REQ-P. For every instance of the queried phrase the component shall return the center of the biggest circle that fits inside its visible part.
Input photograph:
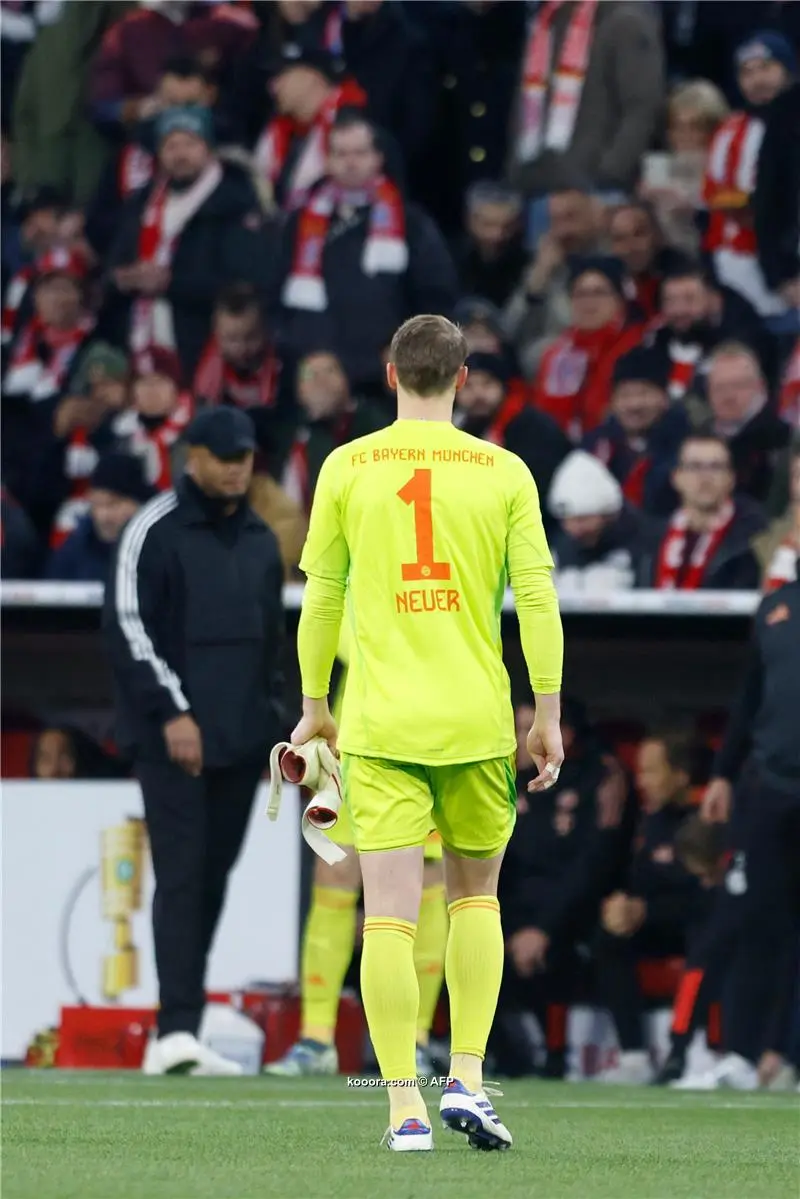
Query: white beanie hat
(583, 486)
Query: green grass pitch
(123, 1136)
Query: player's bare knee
(465, 876)
(393, 882)
(343, 876)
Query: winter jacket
(620, 559)
(83, 558)
(642, 467)
(363, 311)
(776, 201)
(619, 108)
(224, 242)
(734, 567)
(656, 876)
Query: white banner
(53, 835)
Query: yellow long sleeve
(318, 633)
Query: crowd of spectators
(208, 203)
(238, 203)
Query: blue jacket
(643, 473)
(83, 558)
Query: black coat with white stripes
(193, 618)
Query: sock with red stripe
(473, 970)
(390, 994)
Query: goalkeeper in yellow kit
(414, 532)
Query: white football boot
(471, 1113)
(182, 1053)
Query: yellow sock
(473, 970)
(429, 949)
(391, 1001)
(328, 942)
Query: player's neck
(428, 408)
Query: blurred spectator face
(761, 80)
(178, 91)
(39, 230)
(523, 719)
(322, 387)
(241, 337)
(657, 782)
(572, 220)
(221, 478)
(595, 302)
(481, 339)
(110, 513)
(53, 755)
(735, 387)
(492, 227)
(353, 161)
(184, 156)
(703, 477)
(481, 395)
(637, 405)
(688, 132)
(297, 12)
(299, 92)
(108, 392)
(685, 303)
(154, 395)
(634, 239)
(58, 301)
(586, 530)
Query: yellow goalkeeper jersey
(414, 532)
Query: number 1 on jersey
(417, 491)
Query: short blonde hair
(701, 98)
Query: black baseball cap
(316, 58)
(225, 432)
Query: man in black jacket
(650, 916)
(193, 619)
(356, 261)
(568, 850)
(196, 227)
(776, 201)
(761, 757)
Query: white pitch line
(554, 1105)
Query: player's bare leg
(328, 943)
(473, 970)
(392, 892)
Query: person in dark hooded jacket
(603, 544)
(180, 240)
(640, 439)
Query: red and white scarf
(80, 459)
(272, 149)
(550, 126)
(41, 359)
(12, 301)
(673, 548)
(296, 476)
(166, 215)
(216, 381)
(683, 363)
(135, 170)
(385, 248)
(783, 564)
(154, 445)
(790, 389)
(728, 185)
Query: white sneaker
(732, 1072)
(412, 1136)
(471, 1112)
(633, 1069)
(182, 1053)
(305, 1058)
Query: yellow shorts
(343, 835)
(394, 804)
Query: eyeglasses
(714, 468)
